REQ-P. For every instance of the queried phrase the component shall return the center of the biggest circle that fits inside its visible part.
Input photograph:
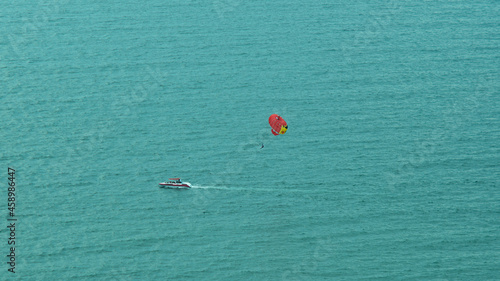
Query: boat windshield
(174, 181)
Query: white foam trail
(210, 187)
(221, 187)
(246, 189)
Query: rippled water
(389, 169)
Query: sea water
(389, 169)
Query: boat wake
(210, 187)
(224, 188)
(244, 189)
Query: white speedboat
(175, 183)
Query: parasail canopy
(278, 124)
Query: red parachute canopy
(278, 124)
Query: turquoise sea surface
(390, 168)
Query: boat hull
(175, 186)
